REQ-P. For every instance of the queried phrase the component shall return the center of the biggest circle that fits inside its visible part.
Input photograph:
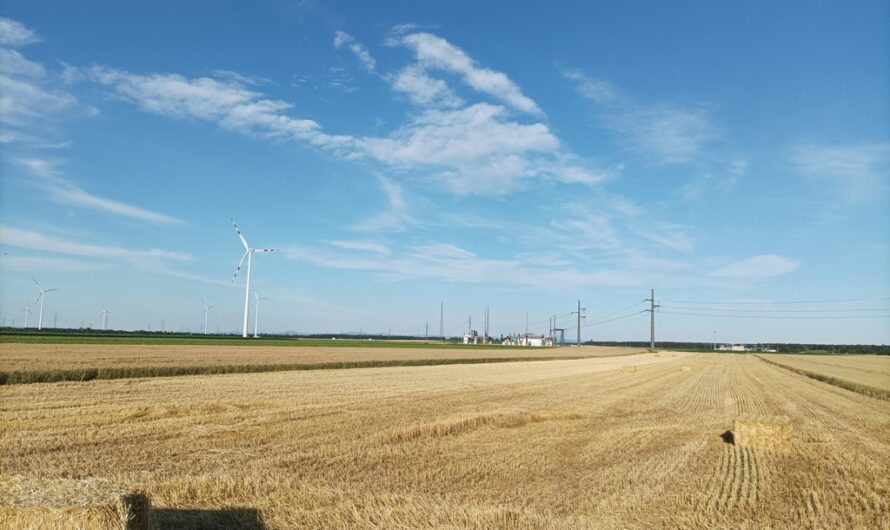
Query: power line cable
(623, 309)
(687, 308)
(775, 316)
(612, 319)
(847, 300)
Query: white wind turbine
(248, 253)
(105, 313)
(256, 314)
(41, 297)
(206, 310)
(27, 310)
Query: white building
(528, 339)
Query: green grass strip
(865, 390)
(90, 374)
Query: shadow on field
(243, 518)
(728, 437)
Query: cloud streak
(757, 268)
(669, 133)
(435, 53)
(858, 171)
(17, 237)
(62, 191)
(343, 39)
(14, 33)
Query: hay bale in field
(762, 431)
(628, 369)
(686, 368)
(28, 504)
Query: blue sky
(513, 155)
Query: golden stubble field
(552, 444)
(869, 370)
(17, 356)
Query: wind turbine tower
(248, 254)
(104, 318)
(256, 314)
(41, 298)
(206, 310)
(27, 311)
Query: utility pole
(485, 338)
(715, 340)
(442, 321)
(526, 325)
(651, 311)
(580, 313)
(426, 331)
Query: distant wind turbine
(206, 310)
(27, 310)
(41, 298)
(256, 314)
(105, 313)
(248, 253)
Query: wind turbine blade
(241, 237)
(35, 282)
(51, 290)
(239, 265)
(266, 250)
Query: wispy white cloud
(667, 132)
(668, 235)
(62, 191)
(227, 103)
(25, 103)
(343, 39)
(28, 239)
(395, 217)
(240, 78)
(475, 150)
(364, 246)
(588, 231)
(722, 178)
(757, 268)
(449, 262)
(433, 52)
(479, 149)
(29, 105)
(14, 63)
(423, 90)
(38, 263)
(14, 33)
(858, 171)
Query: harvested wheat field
(36, 356)
(549, 444)
(869, 371)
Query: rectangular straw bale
(762, 431)
(687, 368)
(72, 504)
